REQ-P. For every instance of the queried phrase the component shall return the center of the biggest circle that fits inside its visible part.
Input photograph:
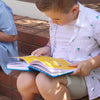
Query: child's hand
(83, 68)
(43, 51)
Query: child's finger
(76, 72)
(73, 65)
(33, 53)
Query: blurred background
(28, 8)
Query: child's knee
(46, 83)
(25, 80)
(42, 81)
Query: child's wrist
(48, 46)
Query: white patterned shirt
(77, 41)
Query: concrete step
(32, 33)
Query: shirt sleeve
(97, 30)
(7, 24)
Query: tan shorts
(76, 86)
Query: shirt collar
(81, 17)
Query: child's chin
(61, 24)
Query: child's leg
(26, 85)
(52, 88)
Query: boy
(75, 37)
(8, 37)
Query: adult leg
(52, 88)
(26, 85)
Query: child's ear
(75, 9)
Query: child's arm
(85, 67)
(7, 38)
(43, 51)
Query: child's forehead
(55, 14)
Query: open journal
(48, 65)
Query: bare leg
(26, 85)
(52, 88)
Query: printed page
(52, 62)
(18, 66)
(45, 64)
(52, 70)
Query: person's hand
(43, 51)
(84, 68)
